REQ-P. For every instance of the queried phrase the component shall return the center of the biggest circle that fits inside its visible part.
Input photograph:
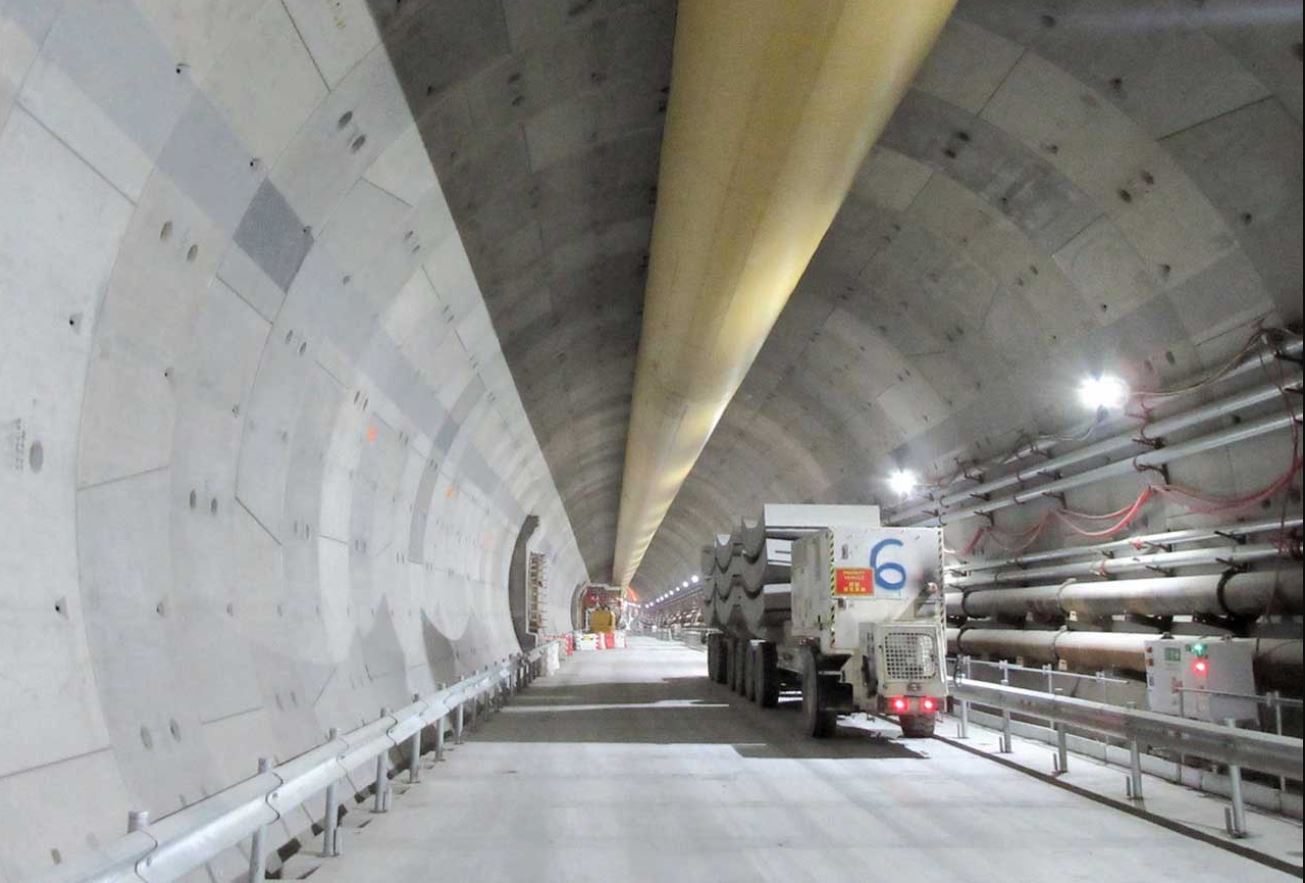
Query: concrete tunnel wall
(264, 463)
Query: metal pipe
(1227, 555)
(1237, 402)
(1151, 457)
(1278, 661)
(1250, 363)
(1249, 595)
(1155, 540)
(766, 128)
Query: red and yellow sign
(854, 581)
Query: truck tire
(817, 720)
(739, 684)
(715, 670)
(917, 726)
(767, 675)
(729, 661)
(750, 672)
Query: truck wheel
(750, 672)
(917, 726)
(767, 675)
(729, 661)
(714, 673)
(739, 684)
(817, 721)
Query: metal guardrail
(1266, 752)
(183, 841)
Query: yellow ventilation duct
(774, 105)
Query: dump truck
(826, 600)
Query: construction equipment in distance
(824, 599)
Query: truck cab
(867, 630)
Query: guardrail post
(137, 820)
(458, 724)
(439, 739)
(964, 731)
(1134, 782)
(1234, 817)
(1275, 697)
(414, 749)
(1051, 678)
(258, 843)
(1134, 785)
(1062, 744)
(378, 804)
(331, 821)
(1006, 746)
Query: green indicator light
(1198, 649)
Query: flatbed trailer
(858, 626)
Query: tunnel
(417, 415)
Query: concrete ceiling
(543, 121)
(1072, 184)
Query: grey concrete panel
(273, 236)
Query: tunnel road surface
(628, 765)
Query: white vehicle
(857, 624)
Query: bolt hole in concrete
(175, 729)
(213, 506)
(166, 232)
(345, 119)
(36, 456)
(193, 499)
(192, 253)
(358, 143)
(146, 737)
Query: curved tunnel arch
(263, 238)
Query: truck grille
(910, 656)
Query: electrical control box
(1207, 679)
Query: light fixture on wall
(1103, 392)
(903, 482)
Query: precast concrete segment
(629, 765)
(766, 127)
(265, 461)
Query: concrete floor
(628, 765)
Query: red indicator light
(928, 703)
(899, 704)
(1201, 667)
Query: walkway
(629, 766)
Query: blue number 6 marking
(883, 570)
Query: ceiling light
(1103, 392)
(903, 481)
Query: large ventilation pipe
(1278, 662)
(1246, 595)
(773, 107)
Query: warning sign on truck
(854, 581)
